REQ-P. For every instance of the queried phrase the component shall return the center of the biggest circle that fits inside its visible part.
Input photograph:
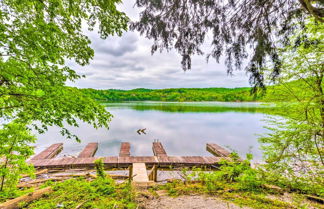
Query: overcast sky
(126, 63)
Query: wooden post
(130, 168)
(153, 173)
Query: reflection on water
(184, 129)
(251, 107)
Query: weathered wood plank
(111, 162)
(139, 175)
(158, 149)
(89, 151)
(84, 162)
(14, 203)
(50, 152)
(124, 149)
(217, 150)
(124, 162)
(139, 172)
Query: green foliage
(99, 165)
(294, 146)
(246, 34)
(101, 193)
(37, 38)
(174, 95)
(15, 149)
(230, 171)
(235, 182)
(256, 200)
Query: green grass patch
(101, 193)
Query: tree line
(175, 95)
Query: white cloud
(126, 62)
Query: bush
(232, 171)
(99, 165)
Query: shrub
(99, 165)
(232, 171)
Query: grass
(101, 193)
(7, 194)
(104, 193)
(235, 181)
(259, 199)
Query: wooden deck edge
(217, 150)
(124, 162)
(89, 151)
(49, 152)
(158, 149)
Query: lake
(183, 128)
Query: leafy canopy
(37, 37)
(14, 149)
(294, 147)
(238, 29)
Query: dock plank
(89, 151)
(124, 149)
(158, 149)
(84, 162)
(217, 150)
(50, 152)
(160, 159)
(139, 173)
(124, 162)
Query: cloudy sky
(126, 63)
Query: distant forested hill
(176, 94)
(273, 93)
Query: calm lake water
(183, 128)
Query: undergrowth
(10, 193)
(101, 193)
(235, 181)
(81, 193)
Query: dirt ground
(189, 202)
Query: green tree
(15, 147)
(37, 38)
(295, 144)
(234, 27)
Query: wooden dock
(49, 152)
(124, 149)
(89, 151)
(160, 159)
(158, 149)
(217, 150)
